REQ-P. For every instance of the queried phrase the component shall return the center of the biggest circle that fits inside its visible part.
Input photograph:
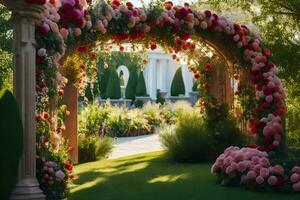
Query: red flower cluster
(40, 2)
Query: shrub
(131, 85)
(113, 89)
(177, 87)
(188, 140)
(11, 142)
(92, 148)
(91, 118)
(141, 86)
(198, 138)
(152, 114)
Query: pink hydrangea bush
(251, 168)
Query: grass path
(151, 176)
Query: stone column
(71, 100)
(152, 78)
(24, 18)
(162, 75)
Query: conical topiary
(141, 86)
(195, 87)
(11, 142)
(113, 90)
(177, 87)
(103, 77)
(132, 83)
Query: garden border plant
(81, 24)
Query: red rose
(168, 5)
(67, 7)
(268, 91)
(265, 105)
(207, 13)
(197, 76)
(69, 166)
(129, 5)
(216, 16)
(82, 49)
(153, 46)
(185, 36)
(68, 15)
(79, 22)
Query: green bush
(131, 85)
(152, 114)
(91, 118)
(188, 140)
(141, 86)
(177, 87)
(198, 138)
(11, 142)
(113, 89)
(92, 148)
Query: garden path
(125, 146)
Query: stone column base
(27, 189)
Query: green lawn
(152, 177)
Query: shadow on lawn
(152, 177)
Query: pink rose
(77, 32)
(264, 172)
(42, 52)
(295, 178)
(251, 174)
(260, 180)
(296, 169)
(203, 25)
(64, 32)
(296, 186)
(272, 180)
(269, 98)
(60, 174)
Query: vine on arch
(79, 24)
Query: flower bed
(252, 168)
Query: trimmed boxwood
(141, 86)
(177, 87)
(113, 90)
(132, 83)
(11, 142)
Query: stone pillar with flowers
(24, 17)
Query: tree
(141, 86)
(177, 86)
(113, 90)
(5, 29)
(132, 83)
(5, 70)
(277, 22)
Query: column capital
(21, 9)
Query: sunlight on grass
(152, 176)
(168, 178)
(88, 184)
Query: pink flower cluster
(295, 178)
(252, 165)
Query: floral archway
(71, 28)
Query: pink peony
(264, 172)
(77, 31)
(269, 98)
(260, 180)
(241, 166)
(203, 25)
(264, 162)
(64, 32)
(296, 169)
(296, 186)
(42, 52)
(251, 174)
(278, 169)
(295, 178)
(60, 174)
(272, 180)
